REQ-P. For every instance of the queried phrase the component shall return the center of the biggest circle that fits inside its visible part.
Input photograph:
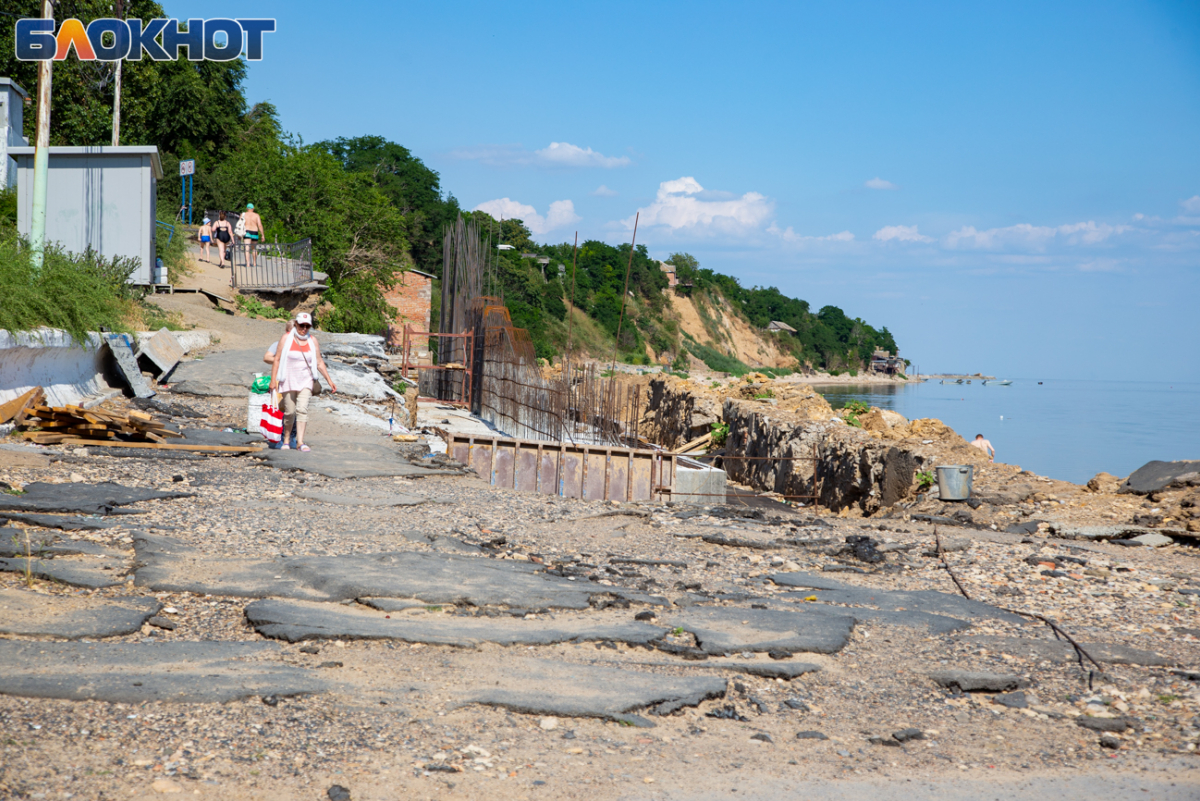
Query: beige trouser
(295, 408)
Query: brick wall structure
(410, 297)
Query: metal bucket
(954, 481)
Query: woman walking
(223, 232)
(297, 362)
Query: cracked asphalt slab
(511, 644)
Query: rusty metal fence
(577, 407)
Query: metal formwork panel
(571, 471)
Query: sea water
(1067, 430)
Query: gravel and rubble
(716, 648)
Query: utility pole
(41, 156)
(119, 7)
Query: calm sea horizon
(1062, 429)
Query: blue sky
(1011, 188)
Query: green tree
(413, 189)
(358, 236)
(189, 109)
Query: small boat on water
(1003, 382)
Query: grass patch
(149, 316)
(716, 361)
(255, 308)
(172, 249)
(75, 292)
(720, 434)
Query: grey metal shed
(12, 114)
(98, 196)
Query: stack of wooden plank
(17, 409)
(697, 445)
(51, 425)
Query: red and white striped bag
(272, 420)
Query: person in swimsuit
(254, 232)
(297, 362)
(983, 445)
(223, 233)
(205, 237)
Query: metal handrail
(169, 227)
(272, 265)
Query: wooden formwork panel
(593, 473)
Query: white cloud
(564, 154)
(604, 191)
(1032, 237)
(900, 233)
(561, 212)
(557, 154)
(1191, 205)
(684, 204)
(879, 183)
(789, 235)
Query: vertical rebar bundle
(508, 388)
(464, 262)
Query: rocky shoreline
(245, 627)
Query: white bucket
(254, 412)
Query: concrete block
(704, 485)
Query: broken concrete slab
(1062, 651)
(809, 581)
(1094, 533)
(31, 614)
(121, 346)
(927, 601)
(354, 345)
(355, 500)
(563, 689)
(135, 673)
(228, 374)
(1156, 476)
(392, 604)
(207, 436)
(349, 460)
(731, 630)
(977, 681)
(935, 624)
(102, 499)
(441, 542)
(782, 669)
(63, 523)
(162, 349)
(295, 621)
(87, 572)
(1153, 540)
(435, 578)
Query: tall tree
(413, 188)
